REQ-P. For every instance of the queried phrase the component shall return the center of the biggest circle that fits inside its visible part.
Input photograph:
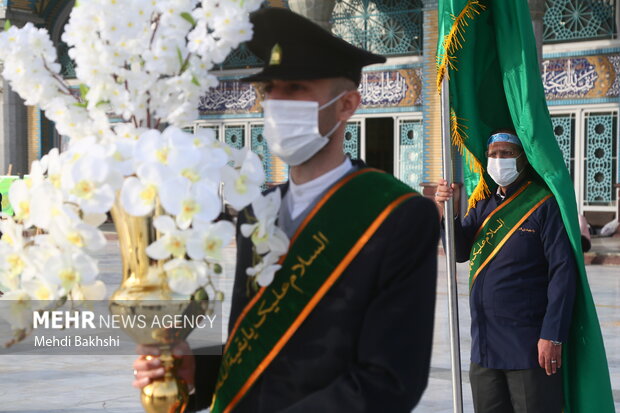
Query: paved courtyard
(85, 384)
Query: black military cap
(295, 48)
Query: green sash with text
(326, 242)
(499, 226)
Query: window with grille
(574, 20)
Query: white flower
(265, 271)
(242, 187)
(138, 194)
(12, 255)
(46, 203)
(51, 164)
(172, 243)
(185, 277)
(16, 308)
(94, 220)
(264, 233)
(152, 148)
(144, 62)
(69, 269)
(94, 291)
(19, 197)
(88, 183)
(189, 202)
(12, 233)
(12, 265)
(69, 231)
(204, 137)
(207, 241)
(122, 156)
(190, 158)
(41, 290)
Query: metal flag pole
(453, 307)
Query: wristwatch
(556, 343)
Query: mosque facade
(397, 127)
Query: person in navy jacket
(521, 302)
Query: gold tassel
(482, 189)
(458, 132)
(453, 41)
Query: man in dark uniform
(363, 341)
(522, 285)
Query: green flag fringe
(446, 59)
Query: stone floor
(605, 250)
(84, 384)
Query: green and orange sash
(499, 226)
(326, 242)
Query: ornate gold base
(167, 395)
(144, 291)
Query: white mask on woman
(292, 128)
(503, 170)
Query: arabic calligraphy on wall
(388, 88)
(391, 88)
(587, 77)
(230, 96)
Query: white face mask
(292, 128)
(503, 170)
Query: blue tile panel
(411, 153)
(352, 135)
(600, 158)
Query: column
(431, 101)
(14, 139)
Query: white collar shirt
(299, 197)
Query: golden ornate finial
(276, 55)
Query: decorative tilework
(234, 136)
(276, 171)
(578, 53)
(411, 153)
(241, 57)
(614, 90)
(387, 90)
(432, 165)
(588, 77)
(570, 20)
(67, 65)
(388, 27)
(599, 162)
(564, 131)
(352, 135)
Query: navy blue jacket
(527, 290)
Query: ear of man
(350, 101)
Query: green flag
(488, 51)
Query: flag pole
(453, 308)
